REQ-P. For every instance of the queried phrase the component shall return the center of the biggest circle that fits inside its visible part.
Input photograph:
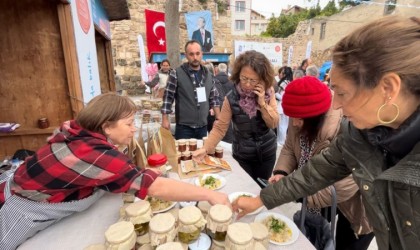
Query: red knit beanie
(306, 97)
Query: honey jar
(43, 123)
(218, 152)
(192, 144)
(182, 145)
(186, 155)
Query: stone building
(323, 32)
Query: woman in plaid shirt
(74, 169)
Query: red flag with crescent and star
(155, 31)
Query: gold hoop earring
(378, 113)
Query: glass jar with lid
(204, 207)
(217, 245)
(162, 229)
(140, 214)
(120, 235)
(239, 236)
(218, 220)
(160, 162)
(191, 222)
(260, 233)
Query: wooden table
(88, 227)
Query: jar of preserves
(182, 145)
(217, 245)
(218, 220)
(191, 222)
(192, 144)
(140, 214)
(204, 207)
(178, 155)
(239, 236)
(162, 229)
(186, 155)
(218, 152)
(120, 235)
(260, 233)
(43, 123)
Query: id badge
(201, 94)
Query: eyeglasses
(245, 79)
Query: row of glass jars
(163, 228)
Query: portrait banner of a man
(200, 28)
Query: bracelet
(278, 171)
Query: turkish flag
(155, 31)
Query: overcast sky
(266, 7)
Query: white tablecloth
(83, 229)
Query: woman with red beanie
(313, 125)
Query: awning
(157, 57)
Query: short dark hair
(191, 42)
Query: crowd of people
(355, 130)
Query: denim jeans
(187, 132)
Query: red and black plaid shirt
(73, 164)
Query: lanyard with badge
(200, 90)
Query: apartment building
(241, 17)
(258, 23)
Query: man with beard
(192, 88)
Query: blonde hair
(104, 108)
(390, 44)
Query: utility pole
(172, 32)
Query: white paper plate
(235, 195)
(162, 210)
(221, 178)
(295, 231)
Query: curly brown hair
(257, 62)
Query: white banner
(273, 51)
(143, 72)
(84, 33)
(289, 57)
(308, 50)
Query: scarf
(248, 100)
(305, 154)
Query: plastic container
(202, 243)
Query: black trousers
(257, 169)
(345, 238)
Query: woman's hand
(219, 198)
(259, 90)
(199, 155)
(246, 205)
(275, 178)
